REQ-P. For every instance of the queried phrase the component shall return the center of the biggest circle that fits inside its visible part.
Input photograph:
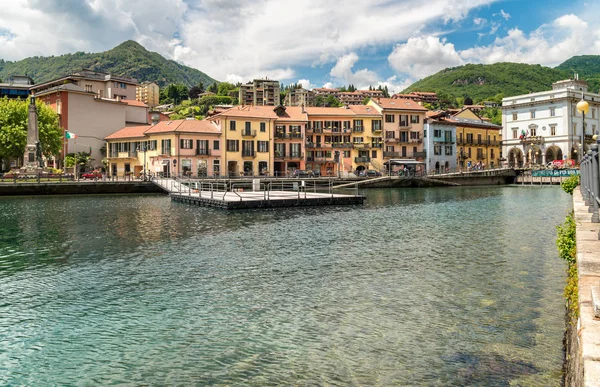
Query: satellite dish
(543, 128)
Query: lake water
(417, 287)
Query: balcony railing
(202, 152)
(248, 153)
(376, 145)
(318, 145)
(318, 159)
(362, 159)
(341, 145)
(165, 152)
(315, 130)
(291, 136)
(249, 133)
(422, 154)
(391, 154)
(532, 140)
(404, 125)
(415, 140)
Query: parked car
(301, 173)
(314, 173)
(91, 175)
(362, 173)
(372, 173)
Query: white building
(541, 127)
(440, 142)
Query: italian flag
(70, 135)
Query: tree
(366, 100)
(468, 101)
(174, 93)
(195, 91)
(214, 88)
(13, 128)
(331, 101)
(225, 88)
(319, 100)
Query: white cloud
(479, 21)
(305, 83)
(505, 15)
(423, 56)
(550, 44)
(328, 85)
(342, 72)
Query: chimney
(100, 93)
(118, 98)
(302, 106)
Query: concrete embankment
(582, 340)
(78, 188)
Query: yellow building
(247, 133)
(149, 93)
(367, 138)
(403, 127)
(169, 148)
(478, 141)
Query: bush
(567, 250)
(569, 184)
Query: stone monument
(32, 159)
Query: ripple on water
(417, 287)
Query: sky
(315, 43)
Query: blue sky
(314, 42)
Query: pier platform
(258, 194)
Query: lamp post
(583, 107)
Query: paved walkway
(588, 266)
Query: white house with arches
(538, 128)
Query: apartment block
(260, 92)
(148, 93)
(300, 97)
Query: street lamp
(582, 107)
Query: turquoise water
(417, 287)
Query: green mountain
(587, 67)
(480, 82)
(128, 59)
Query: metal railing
(590, 183)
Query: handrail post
(595, 184)
(584, 172)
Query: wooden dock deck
(232, 196)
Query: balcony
(315, 130)
(248, 153)
(165, 152)
(347, 145)
(422, 154)
(532, 140)
(318, 145)
(404, 125)
(391, 154)
(362, 159)
(376, 130)
(288, 136)
(415, 140)
(318, 159)
(123, 155)
(358, 129)
(248, 133)
(361, 145)
(376, 145)
(202, 152)
(392, 140)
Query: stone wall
(77, 188)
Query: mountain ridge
(128, 59)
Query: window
(88, 88)
(479, 153)
(263, 126)
(403, 136)
(216, 144)
(389, 148)
(553, 130)
(295, 150)
(358, 125)
(532, 114)
(514, 116)
(346, 153)
(127, 167)
(492, 153)
(469, 152)
(479, 139)
(279, 150)
(552, 112)
(358, 140)
(448, 150)
(403, 119)
(262, 146)
(376, 125)
(233, 146)
(231, 125)
(437, 150)
(247, 148)
(165, 145)
(186, 166)
(437, 133)
(515, 132)
(248, 126)
(202, 148)
(152, 145)
(374, 154)
(186, 144)
(448, 136)
(414, 119)
(469, 138)
(389, 118)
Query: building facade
(300, 97)
(16, 86)
(403, 128)
(538, 128)
(479, 142)
(148, 93)
(440, 142)
(84, 107)
(260, 92)
(180, 147)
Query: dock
(236, 195)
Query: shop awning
(165, 162)
(403, 162)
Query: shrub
(570, 183)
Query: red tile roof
(329, 111)
(399, 104)
(128, 132)
(364, 110)
(133, 102)
(187, 126)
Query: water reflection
(416, 287)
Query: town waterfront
(438, 286)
